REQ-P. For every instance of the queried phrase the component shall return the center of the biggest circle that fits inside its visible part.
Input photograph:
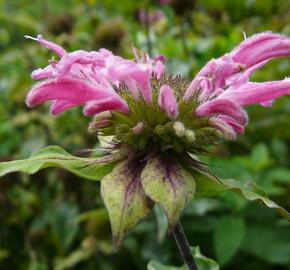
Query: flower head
(156, 119)
(140, 90)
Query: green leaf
(228, 236)
(268, 242)
(54, 156)
(208, 185)
(155, 265)
(203, 263)
(99, 213)
(260, 157)
(63, 223)
(124, 198)
(252, 192)
(168, 184)
(73, 259)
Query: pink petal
(59, 106)
(226, 129)
(132, 85)
(41, 73)
(48, 44)
(233, 123)
(118, 69)
(222, 106)
(72, 90)
(252, 93)
(142, 76)
(193, 87)
(243, 77)
(160, 57)
(159, 69)
(107, 104)
(167, 101)
(261, 47)
(267, 103)
(79, 57)
(146, 91)
(218, 70)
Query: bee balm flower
(157, 119)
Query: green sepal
(55, 156)
(167, 183)
(125, 199)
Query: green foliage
(54, 156)
(228, 236)
(203, 263)
(37, 227)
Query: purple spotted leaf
(166, 182)
(124, 198)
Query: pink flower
(89, 78)
(224, 87)
(142, 90)
(167, 101)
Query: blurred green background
(54, 220)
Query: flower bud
(189, 135)
(101, 120)
(179, 129)
(138, 128)
(103, 115)
(95, 126)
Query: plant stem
(183, 246)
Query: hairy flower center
(148, 127)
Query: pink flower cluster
(88, 78)
(223, 87)
(224, 82)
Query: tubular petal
(167, 101)
(218, 70)
(261, 47)
(194, 86)
(43, 73)
(58, 106)
(48, 44)
(72, 90)
(107, 104)
(222, 106)
(233, 123)
(226, 129)
(79, 57)
(252, 93)
(243, 77)
(159, 69)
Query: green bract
(169, 185)
(124, 198)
